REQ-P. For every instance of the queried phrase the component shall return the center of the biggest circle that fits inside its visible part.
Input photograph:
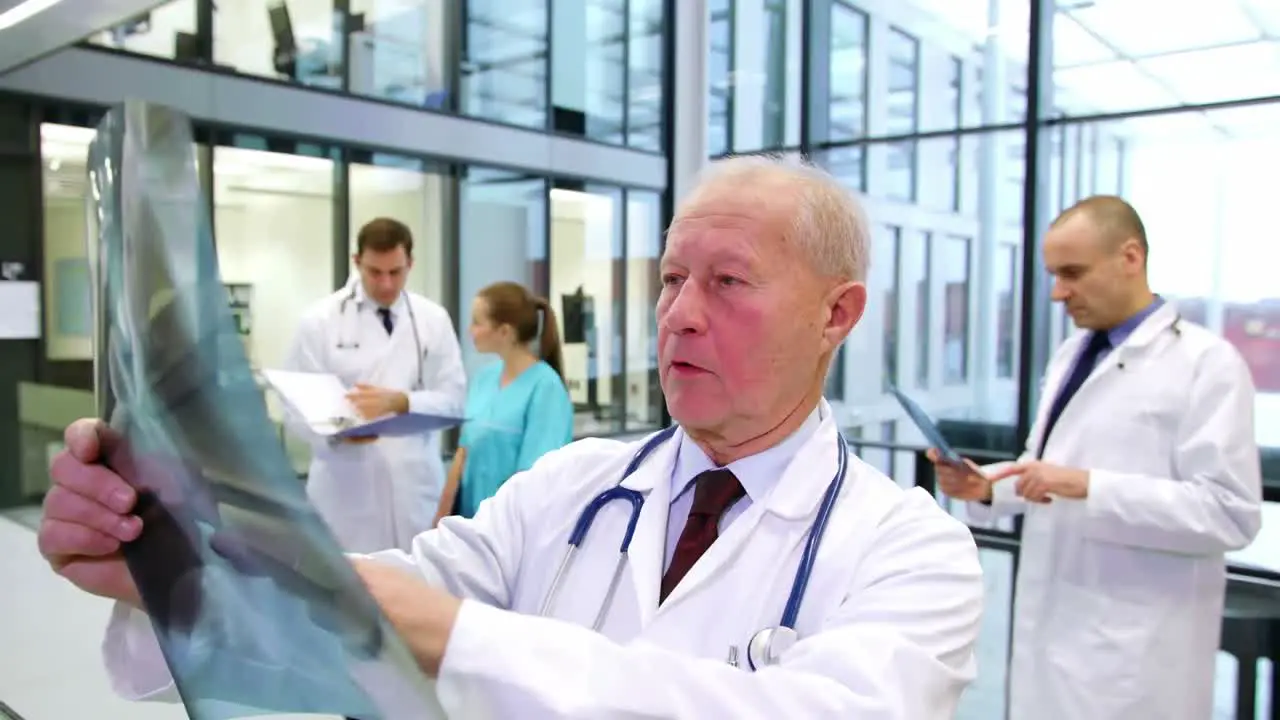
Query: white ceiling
(63, 23)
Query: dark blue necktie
(1098, 343)
(385, 314)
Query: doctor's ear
(845, 305)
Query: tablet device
(928, 428)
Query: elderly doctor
(398, 352)
(1140, 472)
(762, 280)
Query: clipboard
(320, 400)
(929, 429)
(394, 425)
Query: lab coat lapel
(377, 366)
(649, 544)
(1140, 337)
(799, 492)
(794, 498)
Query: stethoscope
(769, 644)
(352, 341)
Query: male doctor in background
(1140, 472)
(763, 278)
(399, 353)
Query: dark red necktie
(714, 491)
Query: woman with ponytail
(517, 408)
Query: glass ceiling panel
(1228, 73)
(1073, 45)
(1266, 13)
(1108, 86)
(1186, 127)
(968, 17)
(1249, 121)
(1147, 27)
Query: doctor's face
(384, 273)
(741, 318)
(1093, 276)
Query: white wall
(282, 245)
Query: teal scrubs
(508, 428)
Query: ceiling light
(23, 11)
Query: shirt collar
(1118, 334)
(758, 473)
(363, 301)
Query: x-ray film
(255, 606)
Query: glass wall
(285, 215)
(68, 322)
(587, 275)
(502, 236)
(168, 31)
(645, 226)
(591, 69)
(923, 107)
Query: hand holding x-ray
(255, 607)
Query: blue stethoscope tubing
(635, 499)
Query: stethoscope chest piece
(769, 645)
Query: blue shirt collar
(758, 473)
(363, 300)
(1118, 334)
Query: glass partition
(506, 61)
(587, 275)
(643, 282)
(754, 74)
(167, 31)
(273, 218)
(401, 50)
(589, 69)
(503, 236)
(934, 324)
(646, 28)
(68, 322)
(593, 69)
(297, 41)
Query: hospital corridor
(416, 359)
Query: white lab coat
(888, 625)
(380, 495)
(1119, 596)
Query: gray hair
(829, 221)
